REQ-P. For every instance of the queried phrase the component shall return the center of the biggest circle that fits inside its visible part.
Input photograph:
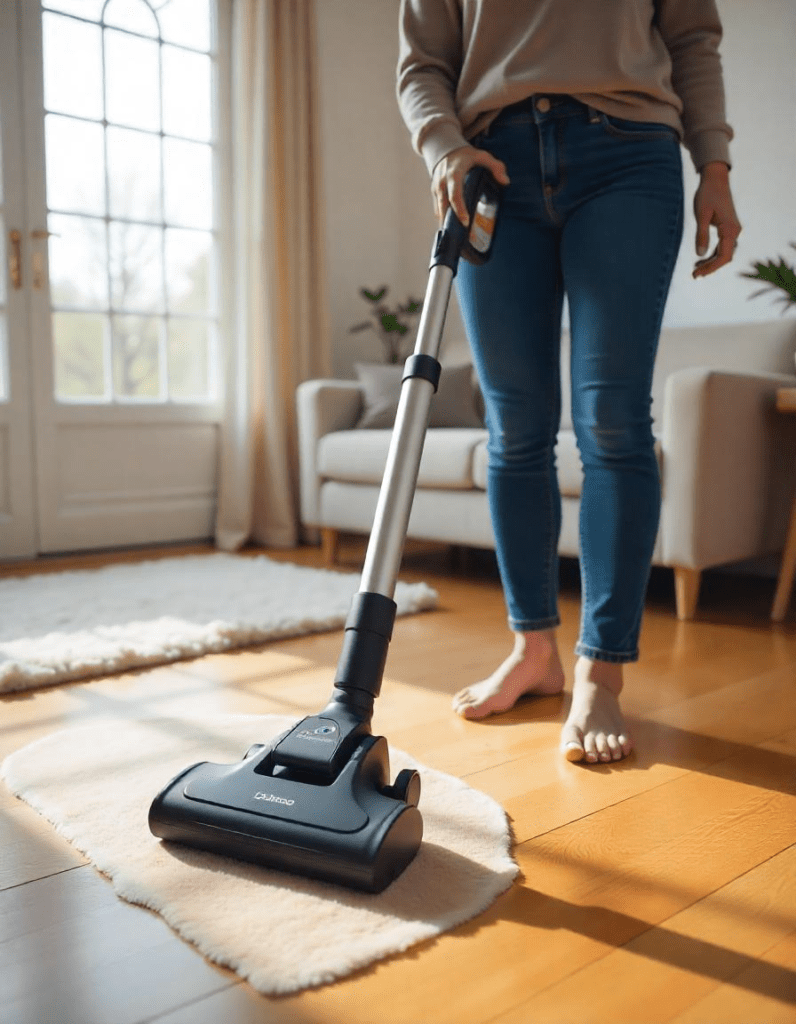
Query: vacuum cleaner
(317, 800)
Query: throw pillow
(454, 404)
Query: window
(130, 145)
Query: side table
(786, 402)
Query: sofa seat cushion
(360, 456)
(568, 464)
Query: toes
(463, 699)
(615, 747)
(590, 747)
(603, 749)
(626, 744)
(572, 743)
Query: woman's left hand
(713, 205)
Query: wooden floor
(660, 889)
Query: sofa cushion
(568, 463)
(453, 405)
(361, 456)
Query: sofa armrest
(322, 406)
(728, 466)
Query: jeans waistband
(554, 102)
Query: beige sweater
(462, 61)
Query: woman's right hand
(447, 181)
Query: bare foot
(595, 729)
(534, 666)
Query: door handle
(37, 260)
(15, 258)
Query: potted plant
(390, 324)
(780, 275)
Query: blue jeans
(594, 208)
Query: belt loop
(594, 115)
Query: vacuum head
(346, 826)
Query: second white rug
(62, 626)
(280, 932)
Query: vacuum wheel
(406, 787)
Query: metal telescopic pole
(394, 506)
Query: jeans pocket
(641, 131)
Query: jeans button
(543, 104)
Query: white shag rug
(278, 931)
(64, 626)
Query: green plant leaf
(373, 296)
(780, 275)
(389, 323)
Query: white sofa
(727, 458)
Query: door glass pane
(187, 22)
(188, 184)
(91, 9)
(136, 356)
(79, 340)
(134, 175)
(133, 246)
(188, 271)
(78, 262)
(136, 264)
(186, 93)
(134, 15)
(72, 66)
(75, 165)
(188, 358)
(132, 81)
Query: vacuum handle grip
(474, 243)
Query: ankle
(605, 673)
(536, 644)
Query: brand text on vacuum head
(324, 734)
(271, 799)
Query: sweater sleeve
(429, 64)
(692, 33)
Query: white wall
(380, 222)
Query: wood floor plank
(31, 848)
(238, 1004)
(683, 962)
(746, 999)
(112, 962)
(52, 900)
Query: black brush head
(353, 830)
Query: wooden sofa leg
(329, 539)
(686, 588)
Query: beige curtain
(275, 255)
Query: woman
(579, 109)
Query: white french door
(17, 492)
(112, 326)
